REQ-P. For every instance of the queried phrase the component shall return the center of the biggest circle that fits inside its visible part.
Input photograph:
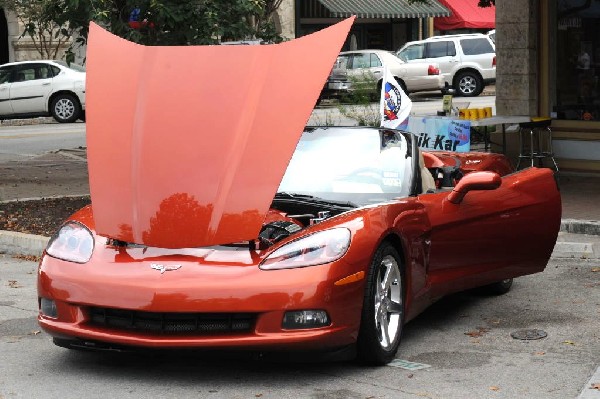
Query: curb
(42, 120)
(14, 243)
(589, 227)
(576, 250)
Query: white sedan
(367, 66)
(42, 88)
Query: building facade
(12, 48)
(379, 24)
(548, 64)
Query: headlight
(73, 243)
(315, 249)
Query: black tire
(468, 84)
(498, 288)
(82, 116)
(65, 108)
(382, 316)
(376, 96)
(402, 85)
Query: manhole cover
(529, 334)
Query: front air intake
(172, 323)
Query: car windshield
(359, 165)
(73, 66)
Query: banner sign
(441, 133)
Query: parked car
(355, 244)
(42, 88)
(352, 67)
(467, 61)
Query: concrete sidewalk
(580, 194)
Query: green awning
(384, 9)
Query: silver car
(42, 88)
(366, 65)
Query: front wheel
(65, 108)
(468, 84)
(383, 308)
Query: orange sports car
(234, 227)
(352, 247)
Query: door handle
(46, 84)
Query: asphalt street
(464, 340)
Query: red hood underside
(187, 145)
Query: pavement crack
(17, 308)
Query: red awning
(466, 14)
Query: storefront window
(578, 61)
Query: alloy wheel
(64, 108)
(388, 302)
(467, 85)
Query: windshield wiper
(284, 194)
(313, 199)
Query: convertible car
(352, 247)
(255, 233)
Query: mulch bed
(41, 217)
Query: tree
(51, 23)
(173, 22)
(47, 35)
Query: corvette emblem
(162, 268)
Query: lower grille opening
(172, 323)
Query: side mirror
(474, 181)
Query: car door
(494, 234)
(5, 107)
(443, 53)
(479, 53)
(31, 85)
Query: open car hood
(188, 144)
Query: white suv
(467, 62)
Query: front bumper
(339, 85)
(204, 289)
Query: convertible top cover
(188, 144)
